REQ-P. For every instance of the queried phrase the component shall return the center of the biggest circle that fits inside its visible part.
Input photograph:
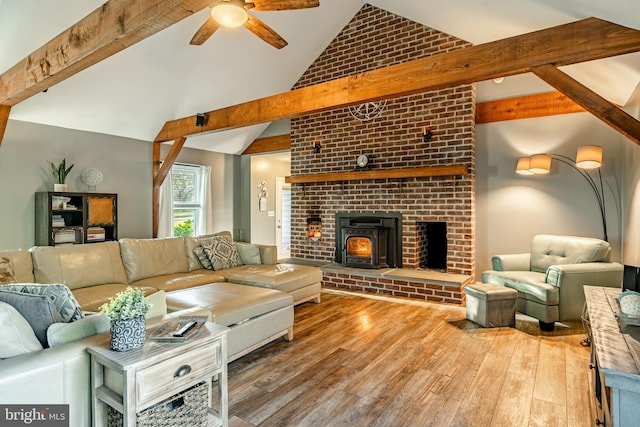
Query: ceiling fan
(233, 13)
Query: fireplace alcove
(369, 240)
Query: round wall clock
(362, 161)
(368, 110)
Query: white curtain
(207, 208)
(165, 220)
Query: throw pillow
(64, 301)
(249, 253)
(37, 310)
(16, 335)
(6, 271)
(221, 252)
(204, 260)
(63, 333)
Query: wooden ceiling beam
(526, 107)
(572, 43)
(269, 144)
(591, 101)
(114, 26)
(4, 119)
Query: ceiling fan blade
(266, 5)
(265, 32)
(205, 31)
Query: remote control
(180, 332)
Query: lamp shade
(540, 163)
(589, 157)
(229, 14)
(522, 167)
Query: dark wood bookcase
(75, 218)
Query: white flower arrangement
(126, 305)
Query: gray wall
(511, 208)
(125, 163)
(263, 226)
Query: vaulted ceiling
(134, 92)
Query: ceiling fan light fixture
(230, 14)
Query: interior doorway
(283, 218)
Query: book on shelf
(95, 234)
(65, 236)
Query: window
(188, 184)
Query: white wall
(511, 208)
(631, 194)
(125, 163)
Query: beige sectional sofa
(255, 301)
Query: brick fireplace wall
(374, 39)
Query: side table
(135, 380)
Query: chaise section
(255, 315)
(303, 282)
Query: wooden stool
(491, 305)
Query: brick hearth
(375, 39)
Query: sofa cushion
(21, 264)
(548, 250)
(144, 258)
(16, 335)
(529, 284)
(37, 310)
(229, 303)
(249, 253)
(221, 251)
(6, 271)
(284, 277)
(63, 300)
(78, 266)
(174, 282)
(91, 298)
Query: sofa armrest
(571, 278)
(268, 254)
(511, 262)
(589, 273)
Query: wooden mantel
(356, 175)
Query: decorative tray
(178, 330)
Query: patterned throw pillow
(6, 271)
(204, 260)
(221, 252)
(63, 300)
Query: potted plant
(60, 173)
(126, 311)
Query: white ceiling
(162, 78)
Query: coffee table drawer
(159, 381)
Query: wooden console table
(132, 381)
(615, 360)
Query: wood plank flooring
(358, 361)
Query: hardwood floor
(358, 361)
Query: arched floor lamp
(588, 157)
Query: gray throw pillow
(62, 297)
(38, 310)
(204, 260)
(249, 253)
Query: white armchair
(550, 278)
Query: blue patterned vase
(128, 334)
